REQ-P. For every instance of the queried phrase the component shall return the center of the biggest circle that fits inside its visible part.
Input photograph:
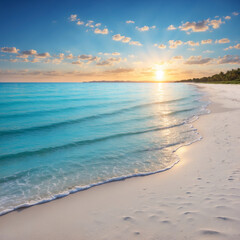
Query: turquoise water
(58, 138)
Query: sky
(68, 41)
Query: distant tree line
(232, 76)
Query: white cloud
(80, 22)
(85, 57)
(235, 13)
(104, 63)
(73, 17)
(178, 58)
(227, 17)
(114, 59)
(201, 26)
(109, 61)
(9, 50)
(116, 54)
(117, 37)
(89, 58)
(208, 41)
(171, 27)
(161, 46)
(22, 56)
(230, 59)
(96, 59)
(126, 39)
(198, 60)
(130, 21)
(136, 43)
(208, 51)
(69, 56)
(216, 23)
(237, 46)
(174, 44)
(61, 55)
(223, 40)
(29, 52)
(142, 29)
(192, 43)
(107, 54)
(43, 55)
(78, 62)
(90, 24)
(98, 31)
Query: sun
(159, 74)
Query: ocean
(59, 138)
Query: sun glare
(159, 74)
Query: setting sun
(159, 74)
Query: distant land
(128, 81)
(230, 77)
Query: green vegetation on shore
(230, 77)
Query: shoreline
(149, 207)
(77, 189)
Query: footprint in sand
(130, 219)
(207, 199)
(166, 222)
(230, 178)
(221, 207)
(190, 213)
(225, 219)
(209, 232)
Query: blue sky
(117, 40)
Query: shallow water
(57, 138)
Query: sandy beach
(199, 198)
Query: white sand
(198, 199)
